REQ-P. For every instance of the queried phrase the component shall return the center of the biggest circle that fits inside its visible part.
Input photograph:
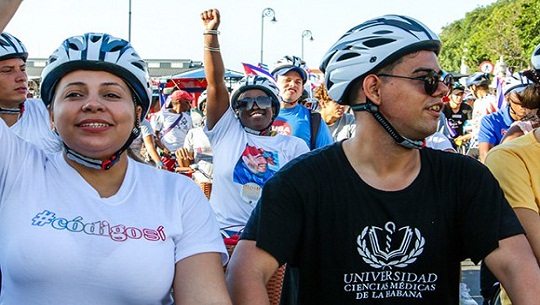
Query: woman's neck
(105, 182)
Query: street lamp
(129, 22)
(267, 12)
(306, 34)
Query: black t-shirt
(455, 120)
(354, 244)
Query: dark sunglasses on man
(431, 80)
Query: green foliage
(507, 28)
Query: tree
(505, 28)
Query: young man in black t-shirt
(457, 113)
(377, 219)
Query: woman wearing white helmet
(89, 231)
(246, 152)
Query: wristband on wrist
(211, 32)
(212, 49)
(159, 164)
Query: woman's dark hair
(530, 97)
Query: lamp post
(267, 12)
(129, 22)
(306, 34)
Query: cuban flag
(254, 70)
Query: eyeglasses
(431, 80)
(263, 102)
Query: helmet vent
(95, 38)
(74, 46)
(138, 65)
(378, 42)
(348, 56)
(383, 32)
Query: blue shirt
(494, 125)
(295, 121)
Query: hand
(183, 170)
(166, 153)
(210, 19)
(184, 154)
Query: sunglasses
(431, 80)
(263, 102)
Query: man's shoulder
(448, 163)
(466, 107)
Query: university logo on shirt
(390, 247)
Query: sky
(172, 29)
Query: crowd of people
(371, 192)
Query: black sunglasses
(431, 80)
(263, 102)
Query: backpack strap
(314, 123)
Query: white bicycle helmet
(258, 82)
(515, 83)
(290, 63)
(478, 79)
(201, 101)
(11, 47)
(98, 52)
(371, 45)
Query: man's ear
(372, 88)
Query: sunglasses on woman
(431, 80)
(263, 102)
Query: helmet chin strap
(370, 107)
(264, 132)
(99, 164)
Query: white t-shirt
(174, 138)
(343, 128)
(34, 126)
(481, 108)
(60, 242)
(146, 130)
(197, 142)
(237, 186)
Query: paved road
(471, 276)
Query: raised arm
(218, 96)
(7, 10)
